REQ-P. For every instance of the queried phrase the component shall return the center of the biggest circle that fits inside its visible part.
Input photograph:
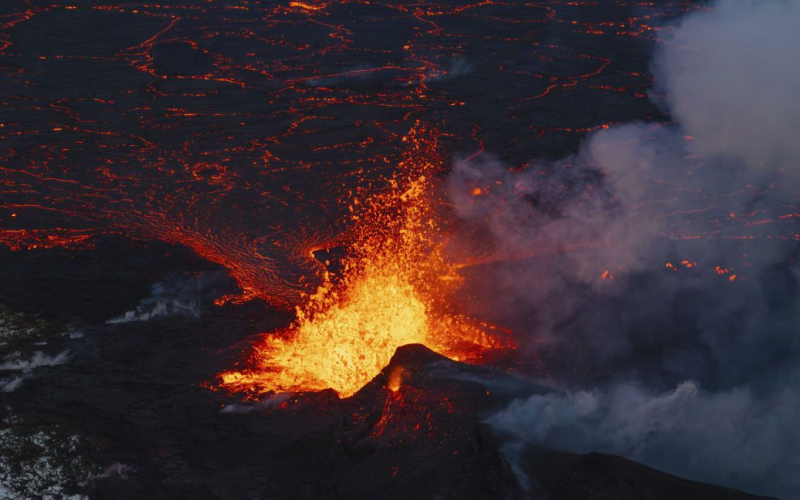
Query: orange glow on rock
(395, 379)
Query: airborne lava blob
(395, 288)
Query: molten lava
(395, 288)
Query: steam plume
(659, 262)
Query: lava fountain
(395, 288)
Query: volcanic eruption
(436, 249)
(395, 287)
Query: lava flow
(395, 288)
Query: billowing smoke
(658, 264)
(23, 368)
(182, 296)
(732, 79)
(731, 437)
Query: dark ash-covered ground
(131, 400)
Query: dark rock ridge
(597, 476)
(132, 395)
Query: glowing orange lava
(395, 289)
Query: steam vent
(430, 249)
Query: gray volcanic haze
(703, 378)
(620, 184)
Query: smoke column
(659, 263)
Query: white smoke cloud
(24, 367)
(179, 297)
(158, 308)
(579, 249)
(731, 437)
(39, 359)
(559, 206)
(733, 75)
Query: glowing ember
(393, 291)
(395, 379)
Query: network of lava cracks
(238, 121)
(395, 287)
(181, 170)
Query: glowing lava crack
(395, 289)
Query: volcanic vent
(395, 287)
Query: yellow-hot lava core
(393, 290)
(395, 379)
